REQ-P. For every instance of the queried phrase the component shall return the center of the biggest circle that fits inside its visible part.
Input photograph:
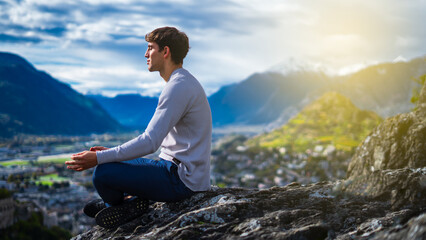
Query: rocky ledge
(316, 211)
(382, 198)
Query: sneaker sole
(115, 216)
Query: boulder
(391, 162)
(398, 142)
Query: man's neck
(168, 70)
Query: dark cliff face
(386, 202)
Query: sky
(98, 46)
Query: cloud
(81, 20)
(96, 44)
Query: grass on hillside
(330, 120)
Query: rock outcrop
(398, 142)
(382, 198)
(391, 162)
(316, 211)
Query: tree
(4, 193)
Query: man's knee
(102, 173)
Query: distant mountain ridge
(271, 98)
(330, 120)
(131, 110)
(384, 88)
(33, 102)
(262, 97)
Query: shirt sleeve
(172, 106)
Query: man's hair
(176, 40)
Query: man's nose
(146, 54)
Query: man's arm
(173, 104)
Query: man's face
(155, 60)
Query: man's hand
(82, 161)
(98, 148)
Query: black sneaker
(112, 217)
(93, 207)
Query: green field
(17, 162)
(50, 179)
(53, 160)
(14, 163)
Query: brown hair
(176, 40)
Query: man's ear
(166, 51)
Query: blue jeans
(142, 177)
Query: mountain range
(259, 99)
(384, 88)
(272, 98)
(262, 97)
(33, 102)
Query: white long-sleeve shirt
(182, 126)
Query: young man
(181, 126)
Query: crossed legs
(146, 178)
